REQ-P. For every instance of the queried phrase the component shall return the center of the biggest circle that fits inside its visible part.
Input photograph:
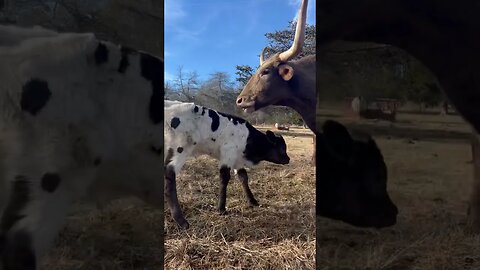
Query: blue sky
(215, 35)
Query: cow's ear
(285, 71)
(271, 136)
(337, 139)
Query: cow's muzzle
(246, 104)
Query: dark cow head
(272, 82)
(352, 179)
(268, 147)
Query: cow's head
(271, 82)
(352, 179)
(277, 152)
(268, 147)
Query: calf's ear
(270, 136)
(285, 71)
(337, 139)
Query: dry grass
(429, 180)
(280, 234)
(126, 235)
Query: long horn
(262, 56)
(299, 34)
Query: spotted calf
(73, 110)
(194, 130)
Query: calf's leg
(243, 177)
(174, 162)
(172, 197)
(224, 179)
(34, 214)
(313, 161)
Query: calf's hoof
(253, 202)
(181, 222)
(184, 225)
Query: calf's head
(268, 147)
(352, 180)
(273, 80)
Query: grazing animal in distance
(191, 129)
(281, 127)
(72, 109)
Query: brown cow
(441, 34)
(347, 189)
(282, 81)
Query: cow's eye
(265, 71)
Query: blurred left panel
(81, 134)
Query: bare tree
(218, 92)
(186, 85)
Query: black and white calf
(194, 130)
(72, 110)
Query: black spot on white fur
(101, 54)
(97, 162)
(215, 119)
(180, 149)
(175, 122)
(35, 95)
(124, 61)
(234, 119)
(152, 70)
(50, 182)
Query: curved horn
(299, 34)
(262, 55)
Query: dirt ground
(430, 175)
(280, 234)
